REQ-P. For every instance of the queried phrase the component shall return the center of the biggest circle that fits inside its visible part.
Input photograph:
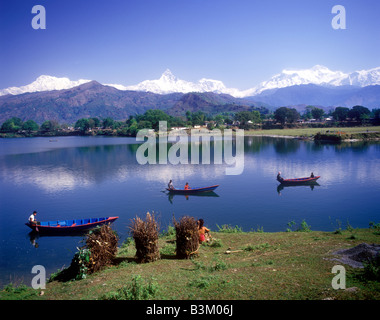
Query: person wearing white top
(32, 217)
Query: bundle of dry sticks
(187, 237)
(145, 233)
(102, 243)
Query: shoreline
(314, 134)
(236, 265)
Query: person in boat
(170, 185)
(312, 175)
(204, 233)
(279, 178)
(32, 218)
(187, 187)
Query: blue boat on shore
(69, 226)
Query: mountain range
(51, 98)
(168, 83)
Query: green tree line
(150, 119)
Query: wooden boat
(300, 180)
(193, 190)
(66, 226)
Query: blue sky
(240, 42)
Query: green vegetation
(310, 132)
(303, 227)
(138, 289)
(286, 115)
(244, 265)
(338, 136)
(283, 121)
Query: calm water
(81, 177)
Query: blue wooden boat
(193, 190)
(69, 226)
(300, 180)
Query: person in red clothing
(187, 187)
(204, 233)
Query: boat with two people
(297, 181)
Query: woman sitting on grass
(204, 233)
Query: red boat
(300, 180)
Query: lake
(82, 177)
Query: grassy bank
(259, 265)
(308, 132)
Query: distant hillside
(93, 99)
(210, 103)
(311, 94)
(87, 100)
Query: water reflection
(64, 169)
(34, 236)
(310, 185)
(188, 196)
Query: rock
(355, 256)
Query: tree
(358, 112)
(245, 116)
(286, 115)
(198, 118)
(154, 116)
(307, 114)
(340, 113)
(82, 124)
(317, 113)
(293, 115)
(12, 125)
(108, 123)
(30, 126)
(219, 120)
(49, 126)
(96, 122)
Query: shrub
(372, 268)
(226, 228)
(138, 289)
(304, 227)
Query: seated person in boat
(204, 233)
(170, 185)
(32, 218)
(312, 175)
(187, 187)
(279, 178)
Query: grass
(261, 265)
(307, 132)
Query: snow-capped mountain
(168, 83)
(44, 83)
(319, 75)
(365, 78)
